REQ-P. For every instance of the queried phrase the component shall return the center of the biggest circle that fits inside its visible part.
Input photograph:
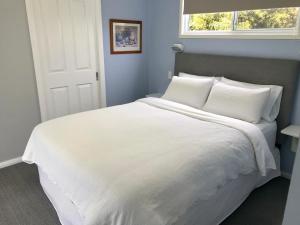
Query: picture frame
(126, 36)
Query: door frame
(37, 62)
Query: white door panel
(60, 100)
(52, 31)
(85, 92)
(66, 37)
(81, 40)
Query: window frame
(284, 33)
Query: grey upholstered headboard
(248, 69)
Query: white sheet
(269, 129)
(124, 165)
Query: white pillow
(198, 77)
(189, 91)
(272, 108)
(237, 102)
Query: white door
(64, 41)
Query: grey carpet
(23, 202)
(265, 206)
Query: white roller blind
(209, 6)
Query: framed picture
(125, 36)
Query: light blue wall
(163, 16)
(129, 77)
(126, 75)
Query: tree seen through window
(284, 18)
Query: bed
(158, 162)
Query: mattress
(162, 150)
(209, 212)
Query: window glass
(267, 19)
(283, 20)
(210, 21)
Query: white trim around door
(36, 61)
(101, 65)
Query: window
(281, 23)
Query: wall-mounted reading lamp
(178, 48)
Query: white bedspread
(147, 162)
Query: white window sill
(239, 35)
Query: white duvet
(145, 163)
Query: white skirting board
(10, 162)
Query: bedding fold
(263, 154)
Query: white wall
(292, 215)
(19, 110)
